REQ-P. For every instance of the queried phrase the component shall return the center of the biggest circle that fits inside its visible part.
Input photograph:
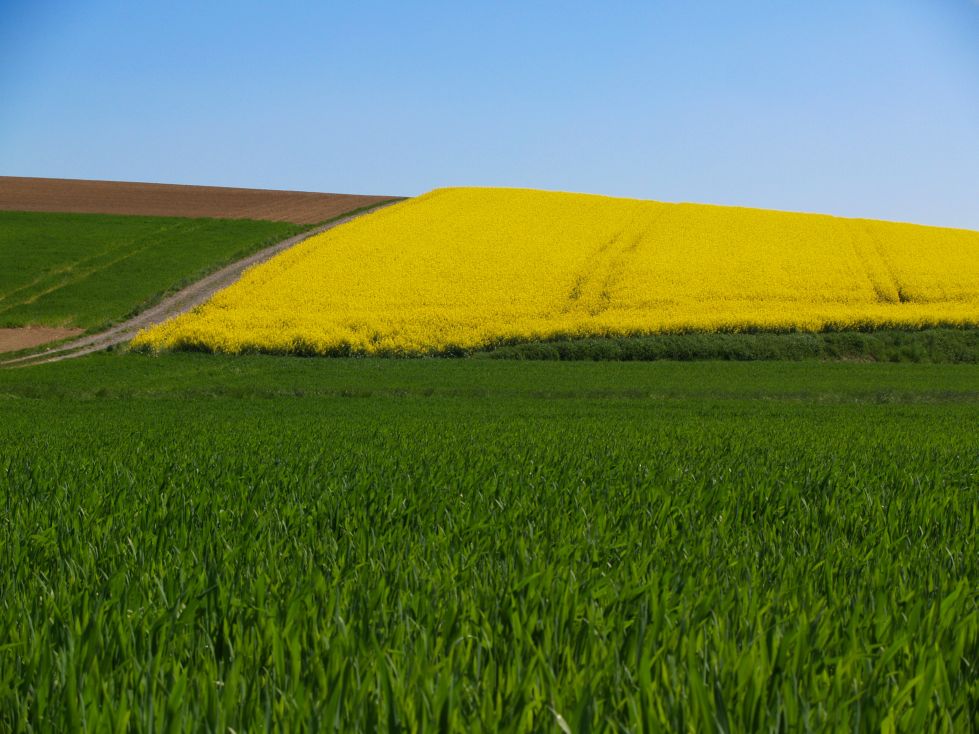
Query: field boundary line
(180, 302)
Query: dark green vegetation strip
(191, 375)
(944, 345)
(495, 546)
(927, 345)
(87, 270)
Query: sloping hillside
(468, 268)
(77, 255)
(85, 270)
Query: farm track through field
(175, 304)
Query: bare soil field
(26, 337)
(172, 200)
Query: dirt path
(173, 305)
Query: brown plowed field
(26, 337)
(171, 200)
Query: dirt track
(149, 199)
(178, 303)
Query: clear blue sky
(852, 107)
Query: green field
(87, 270)
(207, 543)
(881, 345)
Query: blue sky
(858, 107)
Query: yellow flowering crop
(466, 268)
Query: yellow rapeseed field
(459, 269)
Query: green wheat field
(191, 542)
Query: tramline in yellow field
(467, 268)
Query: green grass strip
(928, 345)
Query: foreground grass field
(459, 270)
(488, 545)
(85, 270)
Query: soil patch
(171, 200)
(25, 337)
